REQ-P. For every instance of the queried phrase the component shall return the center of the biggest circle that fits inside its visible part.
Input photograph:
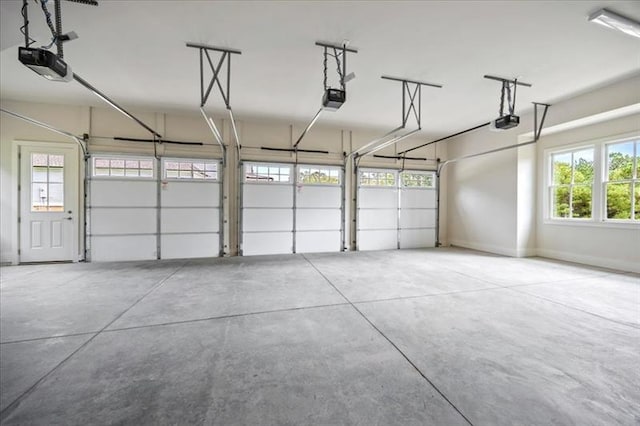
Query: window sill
(592, 223)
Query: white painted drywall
(615, 246)
(494, 201)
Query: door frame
(77, 240)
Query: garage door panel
(123, 221)
(377, 240)
(417, 218)
(183, 246)
(418, 199)
(267, 220)
(191, 194)
(318, 241)
(267, 243)
(377, 219)
(319, 196)
(417, 238)
(377, 197)
(267, 195)
(190, 220)
(129, 247)
(318, 219)
(107, 193)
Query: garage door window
(318, 175)
(417, 179)
(377, 178)
(190, 169)
(267, 173)
(119, 167)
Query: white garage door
(395, 209)
(190, 215)
(318, 209)
(267, 209)
(417, 209)
(291, 209)
(131, 217)
(377, 209)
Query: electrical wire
(47, 15)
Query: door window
(47, 182)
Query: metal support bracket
(411, 96)
(537, 127)
(411, 106)
(222, 67)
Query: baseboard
(505, 251)
(603, 262)
(526, 252)
(7, 261)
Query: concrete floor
(415, 337)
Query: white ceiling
(134, 51)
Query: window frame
(418, 172)
(551, 185)
(48, 208)
(394, 172)
(267, 181)
(125, 157)
(634, 181)
(328, 167)
(598, 199)
(191, 160)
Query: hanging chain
(501, 109)
(325, 69)
(337, 56)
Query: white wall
(493, 203)
(102, 124)
(72, 119)
(608, 245)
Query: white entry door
(49, 205)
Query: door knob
(68, 218)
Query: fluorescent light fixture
(615, 21)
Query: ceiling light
(618, 22)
